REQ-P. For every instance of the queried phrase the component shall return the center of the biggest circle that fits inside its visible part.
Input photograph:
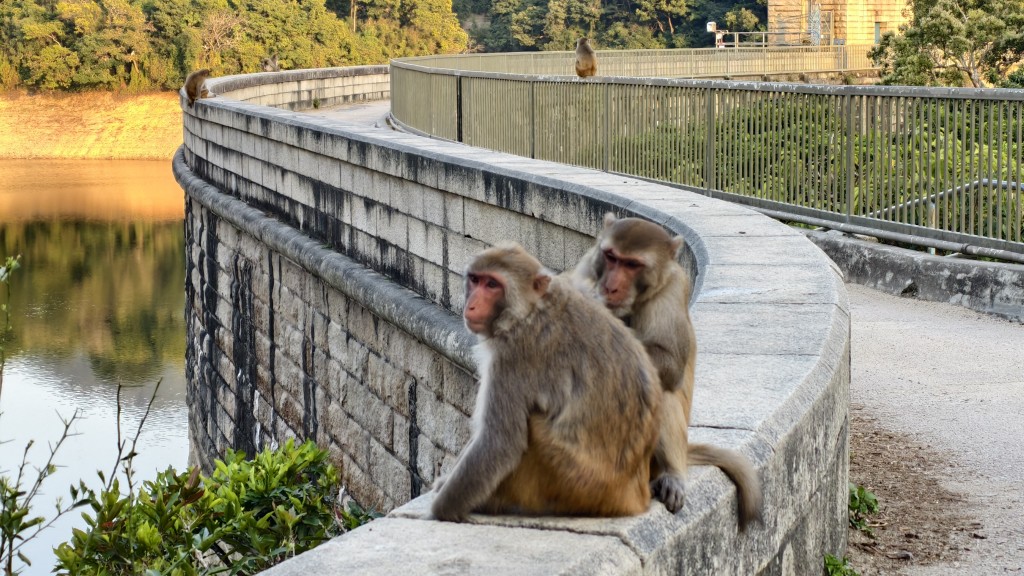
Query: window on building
(878, 32)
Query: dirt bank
(93, 125)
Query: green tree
(953, 42)
(662, 13)
(741, 19)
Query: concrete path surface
(363, 113)
(954, 379)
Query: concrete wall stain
(244, 357)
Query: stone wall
(324, 275)
(854, 20)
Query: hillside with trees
(142, 45)
(524, 25)
(139, 45)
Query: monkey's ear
(677, 245)
(609, 219)
(541, 283)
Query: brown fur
(657, 309)
(586, 58)
(195, 87)
(270, 64)
(566, 417)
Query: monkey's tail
(739, 470)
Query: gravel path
(951, 379)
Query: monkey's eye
(633, 265)
(610, 256)
(492, 284)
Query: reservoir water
(98, 302)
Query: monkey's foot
(671, 490)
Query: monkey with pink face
(633, 269)
(567, 411)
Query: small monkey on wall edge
(195, 86)
(586, 58)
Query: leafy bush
(838, 566)
(862, 503)
(246, 517)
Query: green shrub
(247, 516)
(838, 566)
(862, 503)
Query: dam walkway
(933, 378)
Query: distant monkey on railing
(270, 64)
(195, 87)
(586, 59)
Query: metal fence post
(850, 134)
(458, 108)
(533, 120)
(709, 142)
(607, 128)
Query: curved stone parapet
(324, 279)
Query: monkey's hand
(671, 490)
(446, 512)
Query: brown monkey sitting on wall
(566, 416)
(195, 86)
(633, 269)
(586, 58)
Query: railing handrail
(1015, 187)
(814, 152)
(1009, 94)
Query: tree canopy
(954, 43)
(139, 45)
(516, 25)
(152, 44)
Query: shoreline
(90, 126)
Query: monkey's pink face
(618, 284)
(485, 299)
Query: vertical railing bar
(973, 164)
(709, 142)
(901, 158)
(1019, 176)
(849, 155)
(919, 149)
(801, 155)
(999, 174)
(786, 123)
(963, 168)
(897, 163)
(985, 223)
(607, 127)
(756, 130)
(532, 118)
(928, 179)
(458, 108)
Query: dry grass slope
(93, 125)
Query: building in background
(825, 22)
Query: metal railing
(931, 166)
(682, 62)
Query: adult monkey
(566, 416)
(632, 268)
(195, 86)
(586, 58)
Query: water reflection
(98, 301)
